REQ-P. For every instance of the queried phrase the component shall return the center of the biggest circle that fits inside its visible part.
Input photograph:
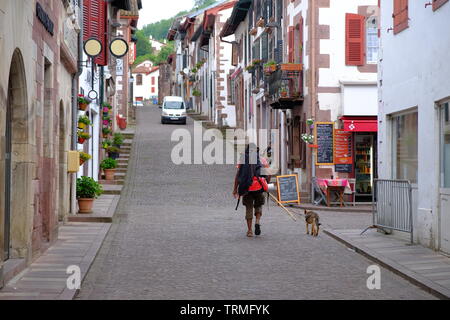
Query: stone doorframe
(22, 164)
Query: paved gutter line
(413, 277)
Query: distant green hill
(159, 29)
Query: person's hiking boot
(257, 229)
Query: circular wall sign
(118, 47)
(92, 94)
(92, 47)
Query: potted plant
(270, 67)
(308, 138)
(109, 166)
(106, 120)
(84, 157)
(87, 190)
(117, 139)
(106, 131)
(106, 143)
(83, 121)
(83, 136)
(283, 92)
(250, 68)
(113, 152)
(196, 93)
(82, 103)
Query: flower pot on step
(85, 205)
(109, 174)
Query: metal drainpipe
(312, 13)
(75, 82)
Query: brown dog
(312, 218)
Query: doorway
(444, 201)
(16, 167)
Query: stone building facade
(39, 60)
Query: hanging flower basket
(82, 103)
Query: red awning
(360, 124)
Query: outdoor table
(336, 186)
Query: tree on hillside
(203, 3)
(143, 46)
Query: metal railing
(392, 205)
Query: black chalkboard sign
(344, 168)
(325, 143)
(288, 189)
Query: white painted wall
(225, 66)
(339, 72)
(415, 73)
(145, 90)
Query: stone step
(112, 189)
(113, 182)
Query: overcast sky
(155, 10)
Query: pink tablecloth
(325, 183)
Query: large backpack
(246, 173)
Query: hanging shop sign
(343, 151)
(324, 133)
(44, 19)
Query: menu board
(288, 189)
(343, 151)
(325, 143)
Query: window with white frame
(445, 144)
(405, 146)
(372, 41)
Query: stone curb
(416, 279)
(87, 262)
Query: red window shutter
(86, 19)
(95, 26)
(291, 45)
(400, 15)
(354, 39)
(301, 30)
(438, 3)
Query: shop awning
(360, 124)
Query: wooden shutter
(400, 15)
(95, 26)
(291, 40)
(354, 39)
(438, 3)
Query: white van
(173, 110)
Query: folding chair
(322, 197)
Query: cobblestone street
(176, 235)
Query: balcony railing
(285, 86)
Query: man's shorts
(253, 200)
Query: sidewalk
(46, 278)
(421, 266)
(78, 243)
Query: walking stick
(276, 200)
